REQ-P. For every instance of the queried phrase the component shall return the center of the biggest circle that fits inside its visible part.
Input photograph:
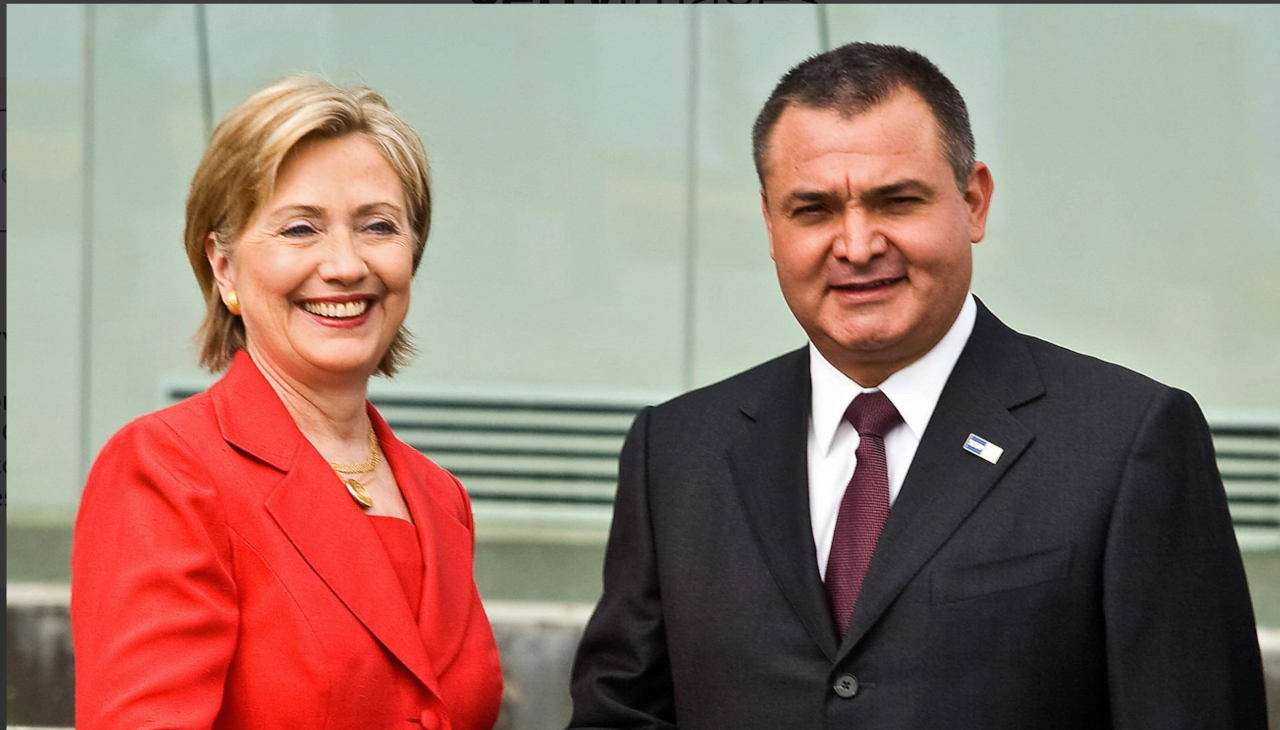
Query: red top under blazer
(222, 577)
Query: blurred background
(597, 245)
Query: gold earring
(233, 302)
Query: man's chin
(870, 342)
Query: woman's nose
(342, 261)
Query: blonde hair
(237, 175)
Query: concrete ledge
(1269, 643)
(536, 640)
(40, 678)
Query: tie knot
(872, 414)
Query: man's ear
(978, 197)
(768, 222)
(220, 263)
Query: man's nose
(859, 238)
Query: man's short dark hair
(853, 78)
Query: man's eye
(903, 200)
(808, 210)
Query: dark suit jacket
(223, 578)
(1089, 579)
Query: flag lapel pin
(981, 447)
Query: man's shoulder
(1062, 367)
(1002, 353)
(784, 373)
(1083, 390)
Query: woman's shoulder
(179, 423)
(166, 439)
(152, 472)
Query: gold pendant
(358, 493)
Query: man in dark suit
(922, 520)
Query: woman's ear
(220, 263)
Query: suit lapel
(945, 483)
(770, 469)
(341, 545)
(317, 515)
(446, 547)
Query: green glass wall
(597, 223)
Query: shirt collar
(913, 390)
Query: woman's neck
(331, 416)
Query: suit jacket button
(846, 685)
(428, 720)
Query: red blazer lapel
(251, 416)
(313, 509)
(444, 532)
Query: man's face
(870, 235)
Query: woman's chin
(346, 364)
(352, 355)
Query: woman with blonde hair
(267, 554)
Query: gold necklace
(355, 488)
(369, 464)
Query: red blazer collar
(314, 511)
(252, 417)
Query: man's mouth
(868, 285)
(337, 310)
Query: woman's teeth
(344, 310)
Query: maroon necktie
(864, 507)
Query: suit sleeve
(1181, 639)
(622, 676)
(153, 602)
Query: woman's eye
(381, 227)
(298, 230)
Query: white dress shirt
(913, 390)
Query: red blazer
(221, 577)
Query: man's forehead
(888, 144)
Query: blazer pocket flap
(1005, 574)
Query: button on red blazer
(222, 577)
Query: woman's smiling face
(323, 270)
